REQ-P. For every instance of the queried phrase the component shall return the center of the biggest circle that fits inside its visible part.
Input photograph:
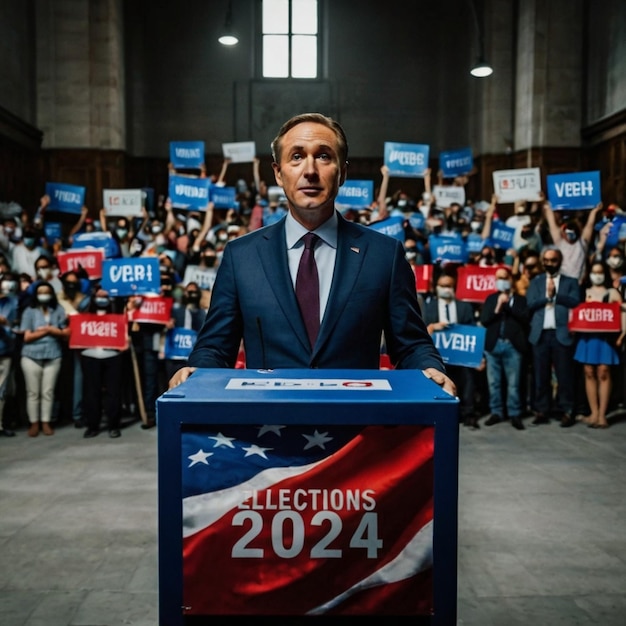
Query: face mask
(193, 297)
(596, 279)
(102, 302)
(156, 230)
(8, 231)
(615, 262)
(503, 284)
(164, 269)
(410, 254)
(209, 261)
(223, 237)
(121, 233)
(526, 233)
(29, 242)
(8, 286)
(571, 235)
(44, 273)
(476, 226)
(553, 270)
(44, 298)
(445, 293)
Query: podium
(313, 493)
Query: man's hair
(316, 118)
(551, 248)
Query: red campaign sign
(475, 283)
(592, 317)
(90, 259)
(423, 277)
(90, 330)
(153, 310)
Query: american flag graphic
(308, 520)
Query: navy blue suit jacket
(567, 297)
(373, 290)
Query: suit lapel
(273, 254)
(351, 251)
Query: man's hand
(180, 376)
(441, 379)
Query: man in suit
(550, 297)
(366, 287)
(505, 318)
(439, 313)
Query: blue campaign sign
(501, 235)
(132, 276)
(617, 232)
(187, 154)
(97, 239)
(577, 190)
(416, 220)
(408, 160)
(447, 249)
(456, 162)
(461, 344)
(391, 226)
(179, 342)
(474, 242)
(65, 198)
(52, 232)
(223, 197)
(147, 194)
(189, 193)
(355, 194)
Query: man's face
(310, 173)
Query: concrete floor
(542, 527)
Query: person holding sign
(572, 240)
(596, 351)
(354, 284)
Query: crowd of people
(533, 365)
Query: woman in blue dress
(597, 351)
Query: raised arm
(383, 211)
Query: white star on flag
(199, 457)
(222, 440)
(317, 439)
(254, 449)
(270, 429)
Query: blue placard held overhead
(447, 249)
(578, 190)
(65, 198)
(417, 220)
(187, 154)
(355, 194)
(52, 232)
(461, 344)
(408, 160)
(456, 162)
(501, 235)
(392, 226)
(474, 242)
(223, 197)
(189, 193)
(129, 277)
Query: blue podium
(307, 493)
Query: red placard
(475, 283)
(423, 277)
(153, 310)
(90, 330)
(90, 259)
(596, 317)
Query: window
(290, 38)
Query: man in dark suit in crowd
(550, 297)
(439, 313)
(505, 318)
(366, 287)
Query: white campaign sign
(518, 184)
(240, 151)
(445, 195)
(126, 202)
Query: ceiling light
(228, 37)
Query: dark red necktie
(308, 288)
